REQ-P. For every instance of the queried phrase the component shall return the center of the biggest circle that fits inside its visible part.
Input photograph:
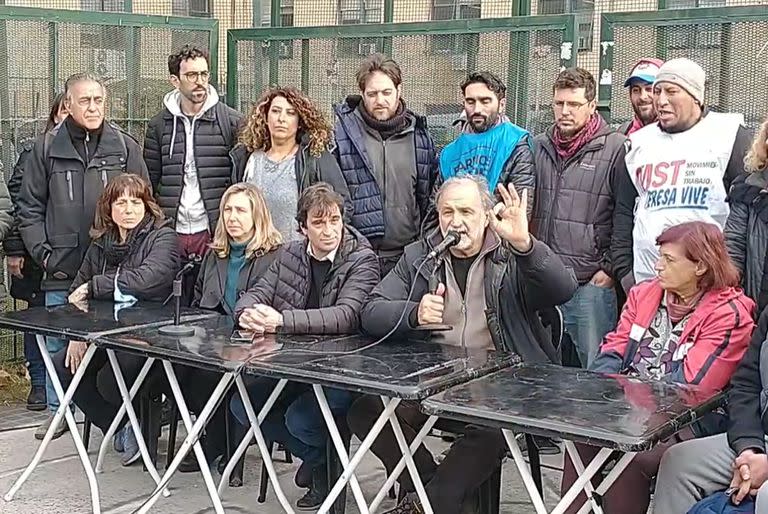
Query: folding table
(620, 414)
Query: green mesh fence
(526, 52)
(731, 44)
(39, 49)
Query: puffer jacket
(147, 273)
(746, 233)
(286, 287)
(212, 280)
(165, 150)
(573, 211)
(517, 287)
(368, 204)
(59, 191)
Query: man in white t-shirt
(680, 169)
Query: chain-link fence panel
(731, 44)
(525, 52)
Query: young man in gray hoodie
(186, 149)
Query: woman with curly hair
(746, 230)
(285, 147)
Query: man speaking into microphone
(492, 284)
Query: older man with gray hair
(65, 174)
(496, 262)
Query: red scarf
(567, 148)
(637, 124)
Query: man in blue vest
(388, 160)
(489, 144)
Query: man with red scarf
(577, 162)
(640, 84)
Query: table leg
(410, 464)
(64, 400)
(243, 446)
(120, 413)
(365, 445)
(128, 406)
(420, 436)
(333, 431)
(255, 430)
(191, 441)
(525, 472)
(578, 486)
(578, 465)
(610, 478)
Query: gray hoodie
(191, 217)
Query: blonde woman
(244, 245)
(746, 231)
(285, 147)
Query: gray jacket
(574, 204)
(286, 286)
(746, 234)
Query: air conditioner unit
(366, 48)
(459, 62)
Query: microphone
(452, 238)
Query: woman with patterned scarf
(133, 257)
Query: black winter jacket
(147, 273)
(747, 398)
(57, 202)
(574, 203)
(212, 280)
(286, 286)
(517, 287)
(215, 134)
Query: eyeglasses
(194, 76)
(572, 106)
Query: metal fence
(730, 43)
(40, 48)
(526, 52)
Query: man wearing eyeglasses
(187, 148)
(577, 161)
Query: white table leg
(409, 463)
(128, 406)
(365, 445)
(120, 413)
(610, 478)
(333, 431)
(64, 400)
(578, 486)
(525, 472)
(191, 441)
(420, 436)
(578, 465)
(243, 446)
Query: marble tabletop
(404, 369)
(615, 411)
(94, 318)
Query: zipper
(69, 186)
(384, 176)
(87, 157)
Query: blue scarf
(484, 153)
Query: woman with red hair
(691, 324)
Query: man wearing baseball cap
(640, 84)
(680, 169)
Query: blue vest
(368, 215)
(484, 153)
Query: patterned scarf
(567, 148)
(637, 124)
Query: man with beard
(387, 158)
(578, 160)
(640, 84)
(680, 169)
(489, 145)
(187, 148)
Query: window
(689, 37)
(196, 8)
(102, 5)
(585, 10)
(355, 12)
(456, 44)
(286, 13)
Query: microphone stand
(177, 329)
